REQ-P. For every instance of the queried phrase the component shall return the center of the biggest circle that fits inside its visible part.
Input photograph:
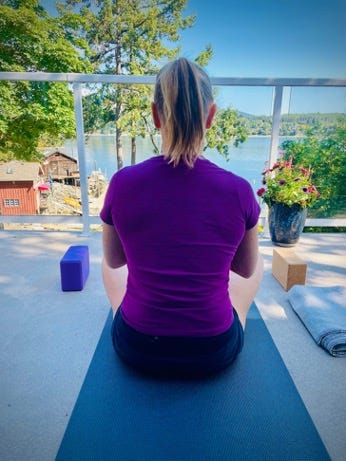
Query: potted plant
(288, 191)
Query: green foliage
(227, 128)
(98, 107)
(325, 230)
(291, 124)
(37, 112)
(326, 156)
(205, 56)
(34, 112)
(136, 112)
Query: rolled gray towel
(323, 312)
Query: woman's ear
(211, 114)
(155, 115)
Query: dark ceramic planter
(286, 223)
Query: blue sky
(271, 38)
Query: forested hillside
(291, 124)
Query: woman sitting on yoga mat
(187, 232)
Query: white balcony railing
(77, 80)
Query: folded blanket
(323, 312)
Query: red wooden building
(19, 194)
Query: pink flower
(261, 191)
(313, 190)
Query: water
(247, 160)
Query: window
(11, 202)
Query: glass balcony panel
(316, 123)
(254, 105)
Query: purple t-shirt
(180, 228)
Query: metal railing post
(276, 118)
(274, 142)
(78, 109)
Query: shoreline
(159, 136)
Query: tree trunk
(133, 150)
(118, 142)
(152, 138)
(153, 142)
(119, 149)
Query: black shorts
(176, 355)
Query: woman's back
(180, 228)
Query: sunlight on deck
(48, 337)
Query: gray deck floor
(47, 339)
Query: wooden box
(288, 268)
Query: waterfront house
(60, 167)
(19, 193)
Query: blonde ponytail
(183, 95)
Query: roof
(19, 171)
(60, 152)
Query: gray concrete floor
(47, 338)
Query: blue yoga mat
(252, 411)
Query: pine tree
(128, 37)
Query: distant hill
(261, 125)
(291, 124)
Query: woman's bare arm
(245, 260)
(112, 247)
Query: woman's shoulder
(138, 168)
(220, 173)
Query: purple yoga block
(74, 268)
